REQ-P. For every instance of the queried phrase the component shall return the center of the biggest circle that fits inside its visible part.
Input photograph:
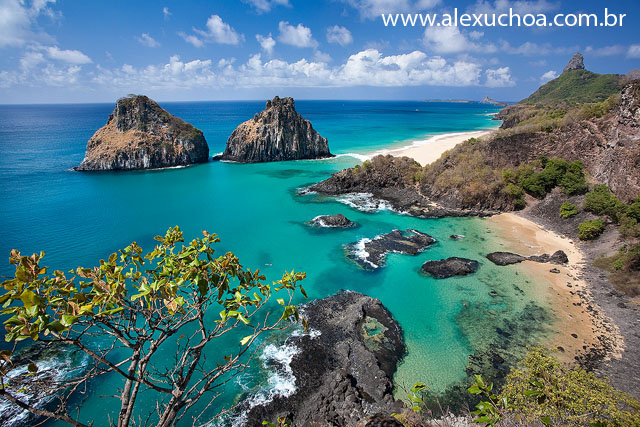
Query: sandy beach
(580, 324)
(430, 150)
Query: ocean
(79, 218)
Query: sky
(76, 51)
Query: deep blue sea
(79, 218)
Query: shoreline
(425, 151)
(581, 326)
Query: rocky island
(277, 133)
(139, 134)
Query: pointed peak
(576, 63)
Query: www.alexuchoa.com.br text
(510, 19)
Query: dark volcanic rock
(449, 267)
(371, 253)
(344, 375)
(505, 258)
(277, 133)
(141, 135)
(456, 237)
(332, 221)
(576, 63)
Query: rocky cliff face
(345, 373)
(139, 134)
(277, 133)
(576, 63)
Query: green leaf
(68, 320)
(532, 393)
(546, 420)
(246, 339)
(474, 389)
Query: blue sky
(97, 51)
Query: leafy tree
(568, 210)
(136, 306)
(601, 201)
(573, 180)
(591, 229)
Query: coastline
(581, 328)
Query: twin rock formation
(139, 134)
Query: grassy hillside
(576, 87)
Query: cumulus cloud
(217, 31)
(17, 19)
(266, 43)
(633, 51)
(263, 6)
(299, 36)
(339, 35)
(549, 75)
(372, 9)
(69, 56)
(500, 77)
(146, 40)
(447, 40)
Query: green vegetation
(171, 291)
(541, 388)
(576, 87)
(543, 175)
(590, 229)
(625, 269)
(601, 201)
(568, 210)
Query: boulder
(505, 258)
(332, 221)
(370, 254)
(449, 267)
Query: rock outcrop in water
(344, 375)
(449, 267)
(277, 133)
(508, 258)
(332, 221)
(370, 254)
(141, 135)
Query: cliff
(277, 133)
(139, 134)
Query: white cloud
(340, 35)
(69, 56)
(191, 39)
(476, 35)
(634, 51)
(535, 49)
(447, 40)
(263, 6)
(372, 9)
(500, 77)
(266, 43)
(322, 57)
(518, 6)
(146, 40)
(219, 31)
(549, 75)
(606, 50)
(166, 13)
(17, 20)
(299, 36)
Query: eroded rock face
(277, 133)
(332, 221)
(344, 375)
(449, 267)
(370, 254)
(139, 134)
(576, 63)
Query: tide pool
(79, 218)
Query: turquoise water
(78, 218)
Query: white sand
(430, 150)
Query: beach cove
(260, 216)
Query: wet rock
(332, 221)
(370, 254)
(456, 237)
(344, 375)
(554, 270)
(453, 266)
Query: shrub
(535, 185)
(633, 210)
(629, 226)
(625, 269)
(591, 229)
(542, 389)
(573, 180)
(601, 201)
(568, 210)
